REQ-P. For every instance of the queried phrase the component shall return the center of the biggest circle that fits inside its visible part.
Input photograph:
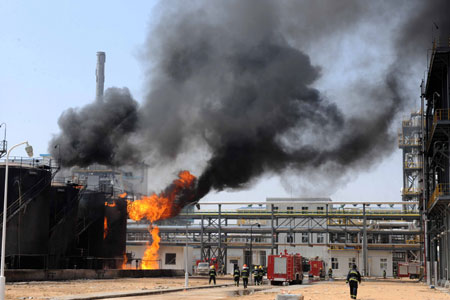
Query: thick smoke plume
(235, 76)
(98, 132)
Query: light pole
(251, 240)
(186, 273)
(29, 151)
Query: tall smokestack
(100, 74)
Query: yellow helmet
(260, 267)
(212, 267)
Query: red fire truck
(315, 267)
(285, 269)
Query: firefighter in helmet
(237, 275)
(330, 273)
(212, 274)
(260, 275)
(255, 275)
(244, 274)
(353, 278)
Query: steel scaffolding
(355, 225)
(436, 145)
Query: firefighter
(384, 274)
(260, 275)
(255, 275)
(237, 275)
(353, 278)
(321, 274)
(212, 274)
(244, 274)
(330, 273)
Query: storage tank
(27, 227)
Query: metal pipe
(365, 256)
(100, 75)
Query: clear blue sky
(47, 64)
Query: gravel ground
(335, 290)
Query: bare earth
(335, 290)
(47, 289)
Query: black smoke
(99, 132)
(235, 76)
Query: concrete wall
(374, 257)
(138, 252)
(73, 274)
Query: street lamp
(186, 273)
(29, 151)
(251, 240)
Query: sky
(48, 60)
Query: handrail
(442, 189)
(441, 115)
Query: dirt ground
(336, 290)
(371, 290)
(47, 289)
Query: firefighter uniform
(237, 275)
(353, 278)
(330, 273)
(244, 274)
(212, 275)
(260, 275)
(255, 275)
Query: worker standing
(244, 274)
(353, 278)
(330, 273)
(260, 275)
(212, 274)
(384, 274)
(255, 275)
(237, 275)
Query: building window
(170, 259)
(304, 209)
(320, 238)
(290, 209)
(320, 209)
(289, 238)
(334, 263)
(351, 262)
(383, 263)
(305, 237)
(262, 258)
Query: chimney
(100, 74)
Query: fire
(123, 195)
(159, 207)
(151, 256)
(110, 204)
(105, 228)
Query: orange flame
(123, 195)
(158, 207)
(125, 261)
(151, 256)
(105, 228)
(110, 204)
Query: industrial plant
(236, 102)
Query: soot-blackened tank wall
(64, 201)
(114, 243)
(28, 228)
